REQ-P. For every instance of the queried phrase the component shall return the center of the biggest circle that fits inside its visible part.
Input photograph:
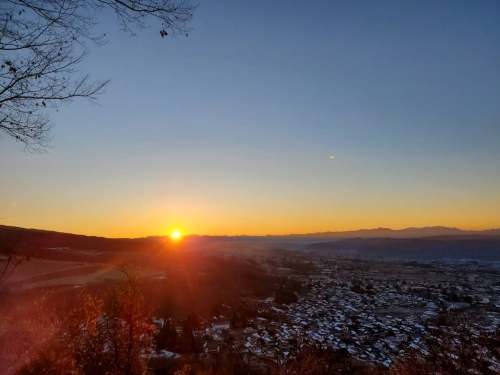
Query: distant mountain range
(410, 243)
(400, 233)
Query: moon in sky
(332, 157)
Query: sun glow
(175, 235)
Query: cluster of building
(375, 311)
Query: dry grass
(42, 273)
(38, 267)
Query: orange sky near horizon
(232, 130)
(186, 230)
(207, 220)
(348, 194)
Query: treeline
(195, 283)
(167, 338)
(288, 291)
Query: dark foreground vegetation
(109, 330)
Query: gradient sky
(230, 131)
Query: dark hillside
(49, 239)
(444, 247)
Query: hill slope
(428, 248)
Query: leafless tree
(14, 253)
(127, 326)
(27, 332)
(243, 359)
(112, 337)
(42, 42)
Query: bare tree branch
(42, 42)
(15, 254)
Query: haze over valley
(249, 188)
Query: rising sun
(176, 235)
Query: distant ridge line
(397, 233)
(409, 232)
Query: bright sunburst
(176, 235)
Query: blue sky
(230, 130)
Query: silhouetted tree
(191, 323)
(98, 338)
(41, 43)
(15, 254)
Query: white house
(220, 325)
